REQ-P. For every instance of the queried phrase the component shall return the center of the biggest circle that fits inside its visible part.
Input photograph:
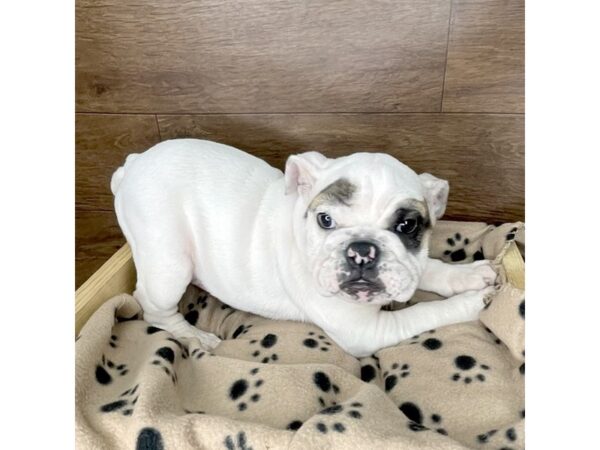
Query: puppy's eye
(325, 221)
(407, 226)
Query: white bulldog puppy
(329, 242)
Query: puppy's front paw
(179, 328)
(470, 303)
(469, 277)
(207, 340)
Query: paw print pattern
(125, 404)
(242, 329)
(511, 234)
(456, 254)
(391, 379)
(483, 438)
(239, 444)
(496, 340)
(522, 309)
(268, 341)
(113, 341)
(368, 372)
(121, 319)
(429, 342)
(188, 411)
(317, 342)
(183, 348)
(478, 255)
(294, 425)
(324, 384)
(149, 438)
(198, 353)
(151, 330)
(165, 359)
(108, 369)
(507, 436)
(194, 308)
(246, 390)
(467, 363)
(338, 413)
(417, 419)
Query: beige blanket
(274, 384)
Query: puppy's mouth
(362, 288)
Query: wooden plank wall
(438, 84)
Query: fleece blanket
(276, 384)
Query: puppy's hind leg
(162, 281)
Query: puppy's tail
(117, 177)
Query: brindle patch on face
(338, 192)
(412, 210)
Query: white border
(37, 252)
(562, 186)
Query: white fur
(202, 212)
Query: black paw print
(368, 371)
(166, 355)
(182, 348)
(522, 309)
(268, 341)
(151, 330)
(242, 329)
(485, 437)
(323, 382)
(508, 436)
(352, 411)
(294, 425)
(416, 419)
(496, 340)
(511, 234)
(392, 379)
(193, 308)
(113, 341)
(240, 390)
(198, 353)
(149, 438)
(478, 255)
(430, 343)
(189, 411)
(125, 404)
(314, 341)
(466, 363)
(108, 369)
(456, 254)
(239, 444)
(121, 319)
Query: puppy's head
(363, 223)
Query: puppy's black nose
(362, 254)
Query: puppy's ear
(302, 170)
(436, 194)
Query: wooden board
(116, 276)
(486, 57)
(101, 144)
(481, 155)
(102, 141)
(97, 238)
(260, 56)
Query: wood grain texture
(97, 237)
(485, 67)
(480, 155)
(173, 56)
(101, 144)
